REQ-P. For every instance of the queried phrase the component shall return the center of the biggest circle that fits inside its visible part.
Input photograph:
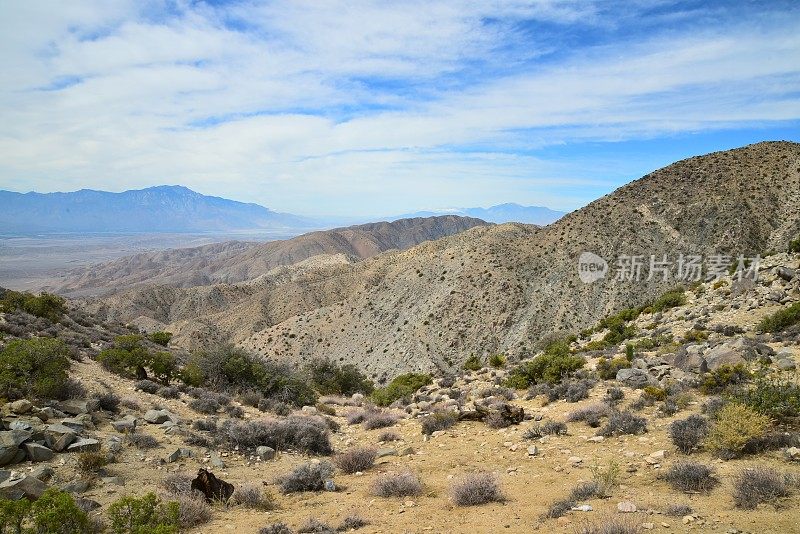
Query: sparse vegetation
(253, 496)
(735, 425)
(45, 305)
(691, 476)
(591, 414)
(305, 434)
(143, 515)
(473, 363)
(379, 419)
(608, 369)
(781, 319)
(551, 367)
(306, 477)
(405, 484)
(330, 378)
(438, 420)
(688, 434)
(475, 489)
(34, 367)
(755, 485)
(403, 386)
(497, 360)
(776, 396)
(548, 428)
(355, 460)
(160, 338)
(723, 377)
(623, 423)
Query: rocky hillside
(491, 289)
(232, 262)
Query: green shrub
(36, 367)
(45, 305)
(13, 515)
(607, 369)
(473, 363)
(330, 378)
(497, 360)
(143, 515)
(671, 299)
(162, 366)
(55, 512)
(401, 387)
(192, 375)
(654, 393)
(618, 330)
(781, 319)
(735, 425)
(776, 397)
(160, 338)
(629, 352)
(794, 245)
(695, 335)
(724, 376)
(552, 367)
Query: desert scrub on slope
(473, 363)
(607, 369)
(612, 525)
(476, 488)
(304, 434)
(691, 477)
(548, 428)
(33, 367)
(402, 387)
(781, 319)
(734, 427)
(306, 477)
(253, 496)
(438, 420)
(773, 396)
(553, 366)
(193, 510)
(54, 512)
(405, 484)
(623, 423)
(688, 434)
(355, 460)
(330, 378)
(141, 515)
(379, 419)
(591, 415)
(723, 377)
(45, 305)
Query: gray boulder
(78, 406)
(84, 445)
(22, 488)
(633, 378)
(59, 437)
(38, 453)
(157, 417)
(126, 424)
(265, 453)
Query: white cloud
(367, 107)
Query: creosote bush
(476, 488)
(306, 477)
(355, 460)
(402, 387)
(552, 367)
(734, 427)
(688, 434)
(34, 367)
(143, 515)
(405, 484)
(691, 476)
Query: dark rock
(78, 407)
(22, 488)
(43, 473)
(84, 445)
(38, 453)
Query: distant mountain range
(164, 208)
(499, 214)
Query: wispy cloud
(376, 107)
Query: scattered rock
(626, 507)
(78, 407)
(21, 406)
(26, 487)
(38, 453)
(265, 453)
(43, 473)
(533, 450)
(84, 445)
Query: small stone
(793, 454)
(582, 508)
(626, 507)
(386, 451)
(533, 450)
(596, 439)
(265, 453)
(21, 406)
(575, 460)
(330, 485)
(43, 473)
(648, 526)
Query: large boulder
(157, 417)
(22, 488)
(78, 406)
(10, 440)
(37, 453)
(634, 378)
(59, 437)
(84, 445)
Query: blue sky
(375, 108)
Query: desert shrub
(192, 374)
(688, 434)
(756, 485)
(330, 378)
(160, 338)
(354, 460)
(623, 423)
(497, 360)
(55, 512)
(325, 409)
(305, 434)
(234, 411)
(438, 420)
(91, 462)
(476, 488)
(473, 363)
(108, 401)
(168, 392)
(712, 406)
(33, 367)
(193, 510)
(678, 510)
(606, 478)
(691, 476)
(379, 419)
(141, 441)
(559, 508)
(276, 528)
(577, 391)
(735, 425)
(253, 496)
(551, 367)
(776, 397)
(205, 425)
(315, 526)
(352, 522)
(228, 368)
(128, 357)
(654, 393)
(275, 406)
(591, 415)
(177, 483)
(671, 299)
(148, 386)
(204, 406)
(771, 441)
(306, 477)
(723, 377)
(548, 428)
(614, 396)
(403, 386)
(611, 525)
(585, 491)
(45, 305)
(389, 436)
(250, 398)
(607, 369)
(695, 335)
(132, 403)
(405, 484)
(143, 515)
(794, 245)
(781, 319)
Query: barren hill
(234, 261)
(491, 289)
